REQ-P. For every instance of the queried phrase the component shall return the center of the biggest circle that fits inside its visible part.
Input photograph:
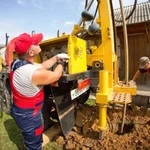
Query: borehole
(128, 128)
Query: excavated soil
(85, 135)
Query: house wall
(139, 45)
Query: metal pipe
(125, 44)
(6, 39)
(123, 117)
(132, 11)
(103, 81)
(148, 37)
(102, 117)
(102, 101)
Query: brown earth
(85, 135)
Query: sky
(42, 16)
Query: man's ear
(31, 53)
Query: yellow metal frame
(76, 50)
(106, 54)
(77, 53)
(108, 78)
(127, 88)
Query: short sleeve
(142, 70)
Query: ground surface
(136, 134)
(84, 135)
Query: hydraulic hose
(98, 2)
(86, 3)
(134, 7)
(114, 27)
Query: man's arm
(44, 77)
(136, 75)
(49, 63)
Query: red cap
(24, 42)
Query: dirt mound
(85, 135)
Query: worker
(144, 66)
(27, 79)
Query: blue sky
(45, 16)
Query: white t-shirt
(22, 80)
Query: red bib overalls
(26, 111)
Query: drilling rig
(92, 66)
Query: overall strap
(18, 63)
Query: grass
(11, 137)
(91, 102)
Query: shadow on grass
(14, 134)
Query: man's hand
(63, 62)
(62, 56)
(132, 82)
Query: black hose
(86, 3)
(98, 2)
(134, 7)
(114, 27)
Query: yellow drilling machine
(92, 66)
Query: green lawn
(90, 102)
(12, 139)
